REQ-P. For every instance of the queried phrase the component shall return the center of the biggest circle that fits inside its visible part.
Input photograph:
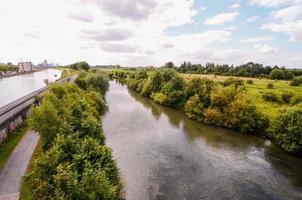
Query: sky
(152, 32)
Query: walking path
(16, 165)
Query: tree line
(75, 162)
(9, 67)
(223, 104)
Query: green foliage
(9, 67)
(80, 65)
(270, 97)
(287, 130)
(296, 81)
(270, 86)
(287, 96)
(250, 82)
(194, 108)
(231, 81)
(76, 168)
(201, 99)
(277, 74)
(75, 163)
(98, 81)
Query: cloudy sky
(152, 32)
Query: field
(257, 89)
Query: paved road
(16, 165)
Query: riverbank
(10, 74)
(224, 104)
(162, 154)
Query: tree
(287, 130)
(169, 65)
(277, 74)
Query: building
(25, 67)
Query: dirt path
(16, 165)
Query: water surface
(15, 87)
(164, 155)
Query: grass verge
(26, 192)
(8, 145)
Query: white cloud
(236, 5)
(221, 18)
(257, 39)
(289, 13)
(202, 8)
(265, 49)
(270, 3)
(253, 18)
(292, 28)
(230, 28)
(85, 17)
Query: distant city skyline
(152, 32)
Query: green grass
(257, 89)
(8, 145)
(26, 192)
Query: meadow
(257, 89)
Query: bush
(277, 74)
(287, 96)
(250, 82)
(98, 81)
(296, 81)
(270, 86)
(194, 108)
(231, 81)
(270, 97)
(76, 168)
(296, 100)
(287, 130)
(75, 163)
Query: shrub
(271, 97)
(243, 116)
(270, 86)
(250, 82)
(287, 96)
(76, 168)
(296, 81)
(98, 81)
(231, 81)
(287, 130)
(296, 99)
(277, 74)
(194, 108)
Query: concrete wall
(13, 114)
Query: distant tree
(277, 74)
(169, 65)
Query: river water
(164, 155)
(15, 87)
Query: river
(164, 155)
(15, 87)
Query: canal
(15, 87)
(164, 155)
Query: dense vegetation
(9, 67)
(226, 103)
(75, 163)
(247, 70)
(80, 66)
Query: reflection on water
(15, 87)
(164, 155)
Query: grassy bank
(8, 145)
(257, 89)
(265, 107)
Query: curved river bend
(164, 155)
